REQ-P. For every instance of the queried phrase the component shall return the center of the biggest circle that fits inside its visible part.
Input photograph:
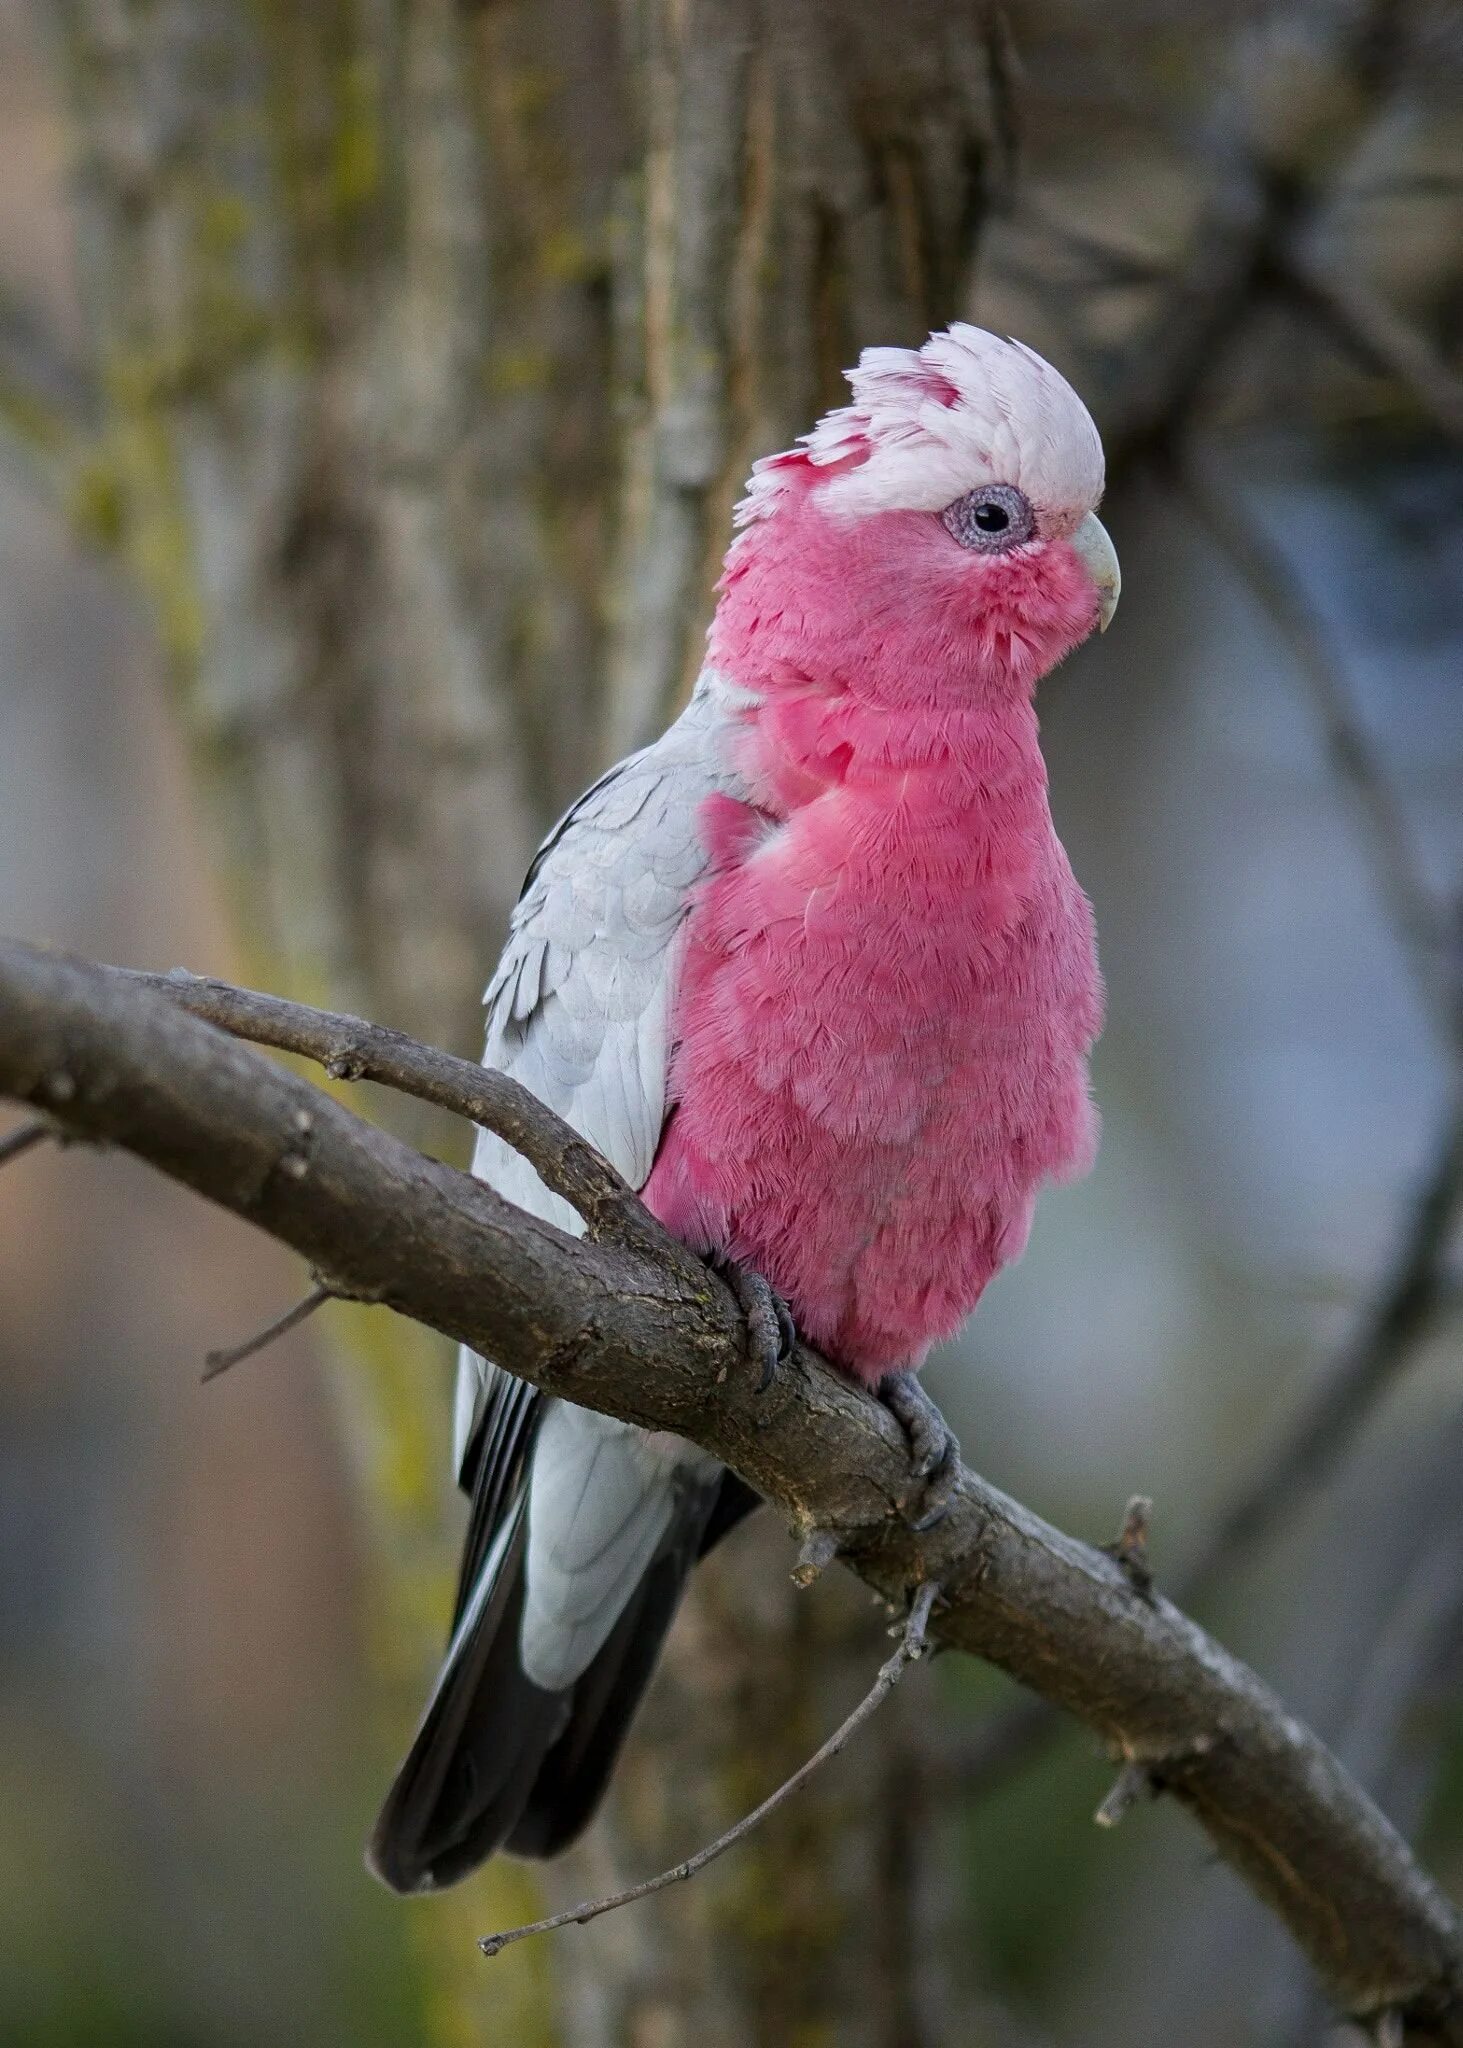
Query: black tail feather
(572, 1778)
(474, 1759)
(499, 1762)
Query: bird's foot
(934, 1454)
(771, 1335)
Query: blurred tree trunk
(434, 343)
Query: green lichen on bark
(434, 343)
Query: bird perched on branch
(813, 973)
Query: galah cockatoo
(813, 973)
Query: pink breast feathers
(889, 986)
(870, 1088)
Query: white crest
(969, 408)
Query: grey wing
(579, 1011)
(582, 1529)
(579, 1008)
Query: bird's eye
(996, 517)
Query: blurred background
(375, 381)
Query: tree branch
(1404, 1310)
(350, 1049)
(1423, 929)
(1383, 337)
(653, 1337)
(1266, 182)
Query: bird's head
(937, 532)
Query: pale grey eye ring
(991, 519)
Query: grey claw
(932, 1458)
(771, 1335)
(939, 1493)
(934, 1453)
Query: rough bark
(644, 1331)
(799, 183)
(805, 183)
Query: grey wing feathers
(601, 1499)
(582, 1529)
(579, 1008)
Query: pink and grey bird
(813, 972)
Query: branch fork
(627, 1325)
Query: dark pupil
(991, 518)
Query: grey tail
(500, 1763)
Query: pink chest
(884, 1015)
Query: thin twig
(1412, 1293)
(1381, 335)
(219, 1361)
(1403, 1312)
(911, 1647)
(1425, 930)
(20, 1141)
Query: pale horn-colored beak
(1099, 557)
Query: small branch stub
(816, 1552)
(1133, 1783)
(1131, 1547)
(1141, 1779)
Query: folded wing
(582, 1528)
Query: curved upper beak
(1099, 557)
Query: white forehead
(968, 408)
